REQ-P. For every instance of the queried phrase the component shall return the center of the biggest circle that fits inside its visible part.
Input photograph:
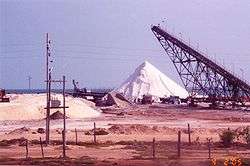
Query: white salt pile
(31, 106)
(148, 80)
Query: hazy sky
(100, 42)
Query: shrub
(244, 134)
(227, 137)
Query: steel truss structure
(199, 74)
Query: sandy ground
(129, 139)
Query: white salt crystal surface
(31, 107)
(148, 80)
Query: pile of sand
(31, 106)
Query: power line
(84, 54)
(93, 53)
(110, 47)
(19, 57)
(19, 45)
(100, 47)
(104, 57)
(88, 46)
(19, 51)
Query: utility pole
(64, 120)
(48, 87)
(49, 81)
(29, 79)
(59, 107)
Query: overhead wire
(84, 54)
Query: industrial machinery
(3, 98)
(84, 93)
(200, 75)
(147, 99)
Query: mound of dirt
(139, 129)
(98, 131)
(21, 141)
(130, 129)
(20, 130)
(57, 115)
(236, 119)
(117, 99)
(41, 130)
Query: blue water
(34, 91)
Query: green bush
(227, 137)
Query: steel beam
(199, 74)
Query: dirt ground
(128, 139)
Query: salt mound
(148, 80)
(31, 106)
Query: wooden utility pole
(59, 107)
(48, 83)
(64, 120)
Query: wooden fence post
(189, 134)
(94, 133)
(179, 144)
(209, 147)
(76, 136)
(64, 146)
(41, 144)
(153, 148)
(27, 150)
